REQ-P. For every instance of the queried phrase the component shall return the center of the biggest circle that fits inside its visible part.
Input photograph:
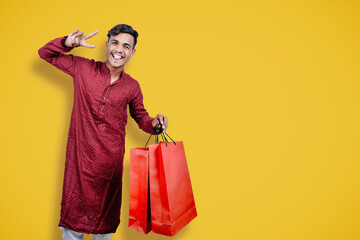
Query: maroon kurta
(92, 187)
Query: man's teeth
(117, 57)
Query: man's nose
(119, 49)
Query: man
(95, 149)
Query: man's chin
(115, 65)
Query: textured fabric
(92, 186)
(72, 235)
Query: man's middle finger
(78, 34)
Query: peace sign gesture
(77, 38)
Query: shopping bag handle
(156, 131)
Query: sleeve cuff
(63, 43)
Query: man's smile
(117, 57)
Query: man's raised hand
(77, 38)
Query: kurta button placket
(105, 96)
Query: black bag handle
(157, 131)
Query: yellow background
(264, 94)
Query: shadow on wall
(61, 80)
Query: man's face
(119, 49)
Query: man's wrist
(63, 40)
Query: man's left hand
(161, 119)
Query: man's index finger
(91, 34)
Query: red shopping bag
(139, 203)
(159, 176)
(171, 197)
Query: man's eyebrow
(116, 41)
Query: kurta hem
(90, 231)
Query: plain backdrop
(264, 94)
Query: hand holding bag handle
(156, 131)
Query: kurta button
(104, 98)
(101, 109)
(108, 87)
(108, 76)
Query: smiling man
(95, 149)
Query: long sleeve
(53, 53)
(139, 113)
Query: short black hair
(123, 28)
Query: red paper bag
(171, 196)
(139, 203)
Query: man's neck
(114, 72)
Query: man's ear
(106, 43)
(133, 52)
